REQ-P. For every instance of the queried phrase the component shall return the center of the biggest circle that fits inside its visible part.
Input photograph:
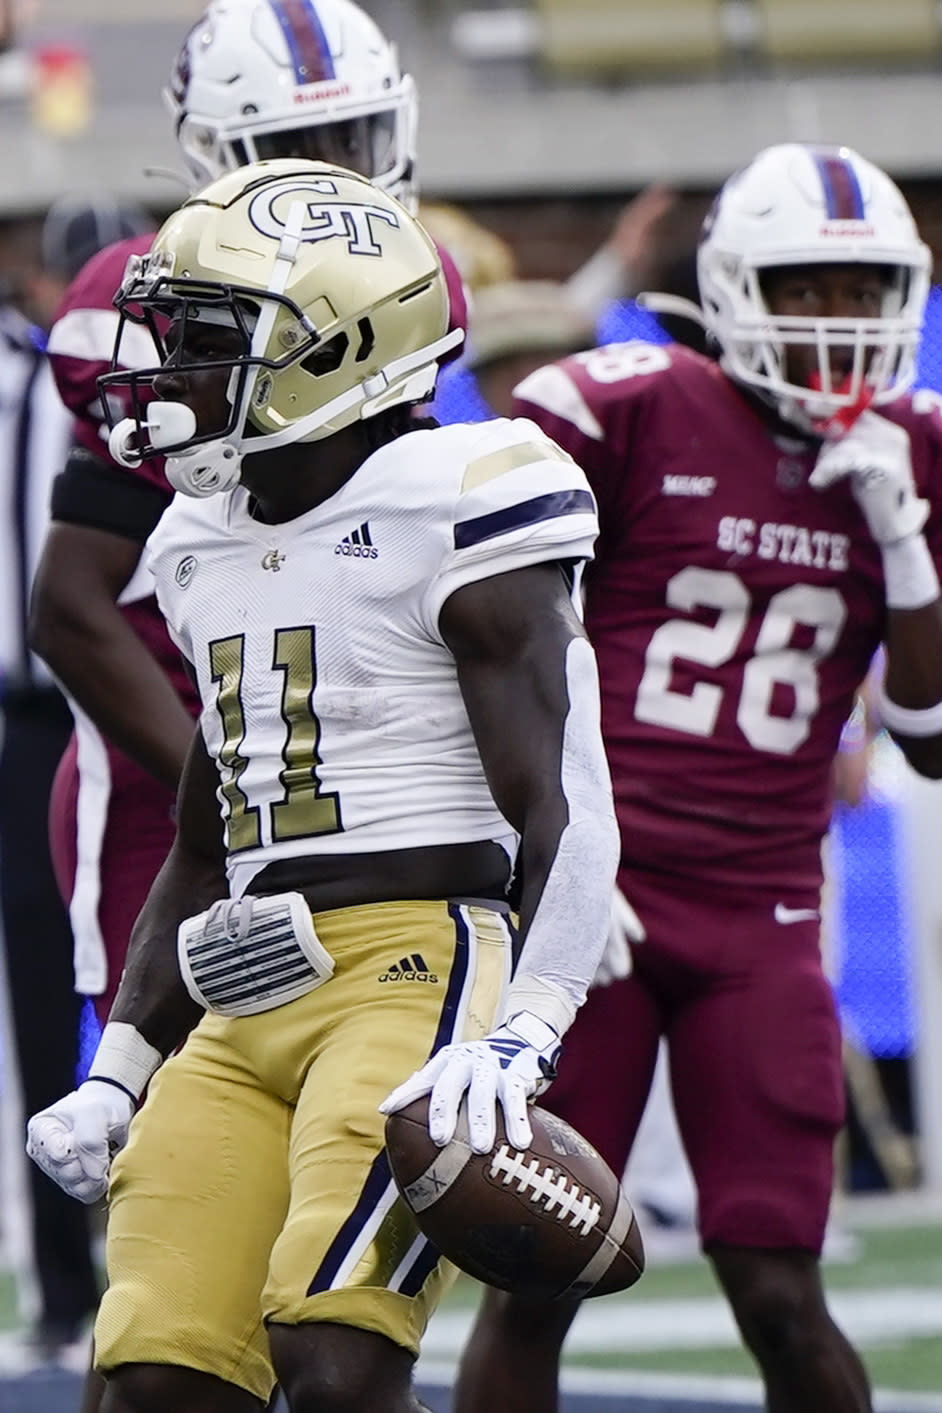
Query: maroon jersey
(110, 822)
(733, 609)
(81, 346)
(457, 299)
(82, 343)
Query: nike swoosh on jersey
(786, 915)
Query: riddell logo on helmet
(317, 92)
(847, 228)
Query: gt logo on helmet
(353, 223)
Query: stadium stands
(845, 31)
(618, 36)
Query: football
(546, 1222)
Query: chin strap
(205, 470)
(373, 387)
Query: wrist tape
(541, 998)
(909, 574)
(125, 1058)
(909, 721)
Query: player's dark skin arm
(509, 636)
(152, 996)
(914, 677)
(78, 629)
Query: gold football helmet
(333, 292)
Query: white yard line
(692, 1388)
(868, 1317)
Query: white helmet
(260, 79)
(336, 294)
(798, 204)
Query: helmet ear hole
(327, 357)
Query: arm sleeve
(600, 280)
(97, 494)
(569, 928)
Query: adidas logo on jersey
(412, 968)
(358, 544)
(688, 485)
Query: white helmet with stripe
(261, 79)
(797, 204)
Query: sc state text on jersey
(789, 544)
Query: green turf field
(893, 1284)
(889, 1298)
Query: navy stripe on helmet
(306, 40)
(841, 188)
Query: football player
(396, 692)
(767, 521)
(254, 78)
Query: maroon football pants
(755, 1057)
(138, 832)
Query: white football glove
(73, 1141)
(875, 454)
(508, 1067)
(625, 927)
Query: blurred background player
(58, 1281)
(517, 324)
(515, 327)
(761, 531)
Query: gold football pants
(255, 1184)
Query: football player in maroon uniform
(767, 521)
(254, 79)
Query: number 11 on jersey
(304, 809)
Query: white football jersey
(330, 701)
